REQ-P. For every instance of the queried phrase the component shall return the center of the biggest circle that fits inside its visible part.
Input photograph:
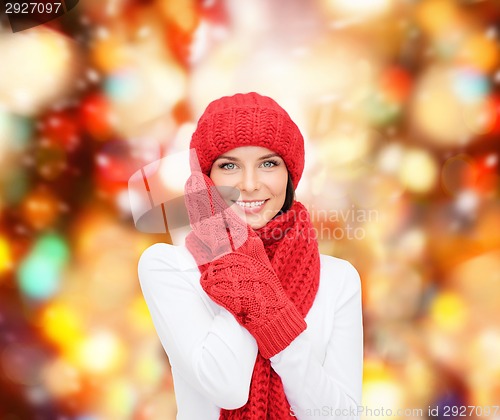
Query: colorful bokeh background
(399, 102)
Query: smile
(250, 204)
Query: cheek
(226, 190)
(218, 178)
(214, 176)
(277, 183)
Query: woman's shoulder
(339, 274)
(166, 257)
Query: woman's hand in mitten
(211, 219)
(245, 283)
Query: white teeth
(250, 205)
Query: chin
(256, 224)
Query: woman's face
(261, 177)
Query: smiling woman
(261, 177)
(263, 327)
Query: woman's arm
(210, 350)
(332, 387)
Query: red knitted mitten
(243, 281)
(207, 215)
(247, 286)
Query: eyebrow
(234, 159)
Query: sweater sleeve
(205, 345)
(329, 388)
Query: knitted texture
(269, 284)
(210, 218)
(247, 119)
(252, 292)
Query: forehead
(248, 152)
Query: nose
(249, 180)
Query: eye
(270, 163)
(228, 166)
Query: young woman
(264, 327)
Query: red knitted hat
(248, 119)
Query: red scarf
(291, 245)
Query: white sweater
(212, 356)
